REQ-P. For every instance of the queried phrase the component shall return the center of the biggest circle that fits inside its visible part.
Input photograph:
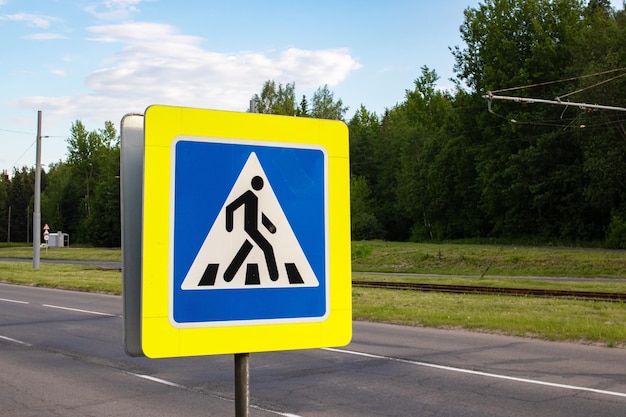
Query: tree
(82, 196)
(59, 208)
(365, 129)
(514, 42)
(83, 148)
(272, 100)
(20, 198)
(387, 148)
(105, 223)
(303, 108)
(527, 168)
(286, 100)
(264, 102)
(324, 105)
(4, 205)
(364, 224)
(436, 172)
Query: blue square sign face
(249, 233)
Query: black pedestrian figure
(250, 203)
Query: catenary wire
(558, 81)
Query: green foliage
(365, 130)
(324, 105)
(81, 196)
(16, 204)
(440, 166)
(303, 110)
(273, 100)
(105, 223)
(57, 201)
(616, 232)
(364, 224)
(4, 205)
(282, 100)
(20, 194)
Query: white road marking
(479, 373)
(278, 413)
(173, 384)
(8, 300)
(157, 380)
(19, 342)
(78, 310)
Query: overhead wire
(490, 96)
(14, 164)
(24, 153)
(16, 131)
(591, 86)
(565, 124)
(558, 81)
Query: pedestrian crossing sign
(246, 233)
(219, 266)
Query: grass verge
(485, 260)
(78, 254)
(557, 320)
(75, 277)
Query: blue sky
(96, 60)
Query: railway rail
(474, 289)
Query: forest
(481, 161)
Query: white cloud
(113, 9)
(156, 64)
(58, 72)
(44, 36)
(32, 20)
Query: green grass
(504, 266)
(557, 320)
(497, 266)
(485, 260)
(75, 277)
(92, 254)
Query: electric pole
(37, 209)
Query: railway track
(474, 289)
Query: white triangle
(220, 246)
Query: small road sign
(246, 237)
(270, 256)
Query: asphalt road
(61, 355)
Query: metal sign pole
(242, 384)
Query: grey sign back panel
(131, 192)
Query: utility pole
(37, 209)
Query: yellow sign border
(160, 339)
